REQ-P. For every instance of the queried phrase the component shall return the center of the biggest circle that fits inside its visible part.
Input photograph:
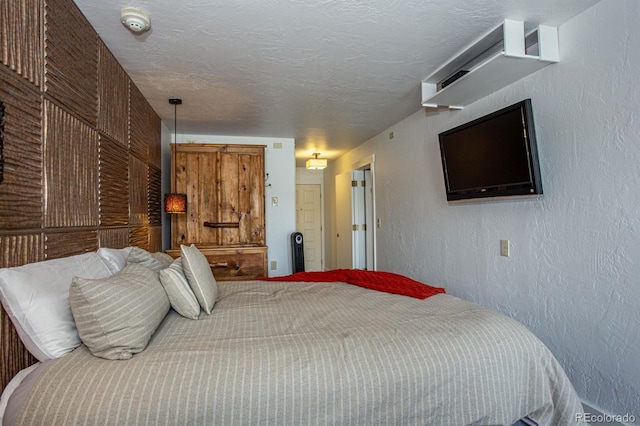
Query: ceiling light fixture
(316, 163)
(135, 19)
(175, 202)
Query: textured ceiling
(329, 73)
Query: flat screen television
(492, 156)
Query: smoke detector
(135, 19)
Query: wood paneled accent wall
(82, 154)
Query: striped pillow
(201, 280)
(181, 297)
(116, 316)
(154, 261)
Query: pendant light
(316, 163)
(174, 202)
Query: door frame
(371, 247)
(370, 162)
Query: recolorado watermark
(605, 418)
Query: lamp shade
(175, 203)
(316, 163)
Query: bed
(291, 352)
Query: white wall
(574, 272)
(281, 170)
(309, 177)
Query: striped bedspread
(287, 353)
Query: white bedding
(10, 390)
(316, 353)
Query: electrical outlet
(274, 265)
(274, 201)
(504, 248)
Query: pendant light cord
(175, 147)
(175, 102)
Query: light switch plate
(504, 248)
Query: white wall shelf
(499, 58)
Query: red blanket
(375, 280)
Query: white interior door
(370, 226)
(309, 223)
(356, 217)
(359, 222)
(344, 249)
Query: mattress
(315, 353)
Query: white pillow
(201, 280)
(36, 298)
(116, 259)
(182, 299)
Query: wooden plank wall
(81, 148)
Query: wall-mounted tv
(492, 156)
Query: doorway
(355, 217)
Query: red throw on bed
(375, 280)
